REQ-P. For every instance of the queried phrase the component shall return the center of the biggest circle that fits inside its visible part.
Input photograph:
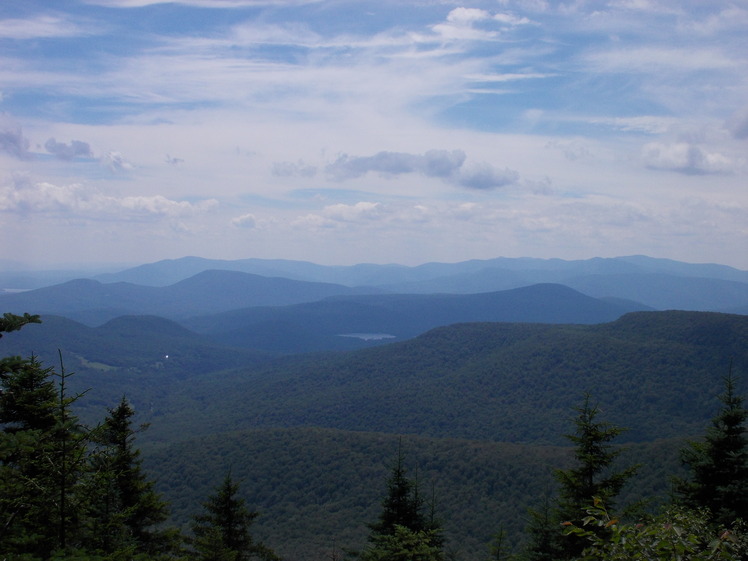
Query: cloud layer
(386, 131)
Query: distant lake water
(368, 336)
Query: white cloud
(12, 139)
(244, 221)
(443, 164)
(484, 176)
(198, 3)
(686, 158)
(291, 169)
(42, 26)
(738, 124)
(76, 149)
(651, 60)
(116, 162)
(83, 202)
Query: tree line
(68, 491)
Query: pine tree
(125, 509)
(718, 465)
(221, 532)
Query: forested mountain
(525, 270)
(655, 283)
(317, 489)
(347, 322)
(655, 372)
(211, 291)
(484, 407)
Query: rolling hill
(657, 373)
(211, 291)
(484, 407)
(346, 322)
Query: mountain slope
(209, 291)
(657, 283)
(657, 373)
(531, 270)
(317, 489)
(324, 324)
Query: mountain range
(302, 379)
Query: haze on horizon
(342, 131)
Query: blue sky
(342, 131)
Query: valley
(232, 370)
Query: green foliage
(404, 544)
(13, 322)
(221, 531)
(718, 465)
(592, 475)
(42, 460)
(124, 509)
(402, 505)
(677, 534)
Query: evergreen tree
(13, 322)
(402, 505)
(592, 477)
(543, 535)
(42, 458)
(221, 532)
(404, 544)
(718, 465)
(125, 509)
(403, 529)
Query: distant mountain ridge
(319, 325)
(169, 271)
(210, 291)
(658, 283)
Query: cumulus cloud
(289, 169)
(738, 124)
(443, 164)
(75, 149)
(685, 157)
(84, 202)
(12, 140)
(339, 214)
(116, 162)
(245, 221)
(484, 176)
(434, 163)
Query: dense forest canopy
(308, 450)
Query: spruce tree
(221, 532)
(42, 460)
(718, 465)
(125, 510)
(403, 530)
(591, 477)
(402, 505)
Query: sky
(342, 132)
